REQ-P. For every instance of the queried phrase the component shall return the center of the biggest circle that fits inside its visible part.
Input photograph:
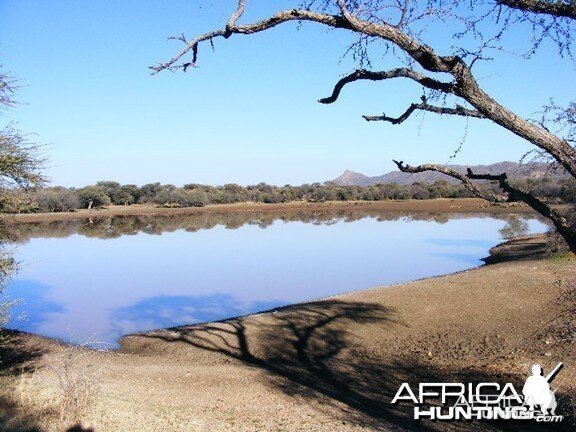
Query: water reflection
(34, 307)
(515, 226)
(166, 311)
(100, 279)
(116, 226)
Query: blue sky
(248, 113)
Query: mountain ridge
(532, 170)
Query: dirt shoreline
(460, 205)
(329, 365)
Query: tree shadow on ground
(309, 352)
(11, 419)
(16, 357)
(21, 355)
(79, 428)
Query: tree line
(105, 193)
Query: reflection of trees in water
(7, 267)
(515, 226)
(117, 226)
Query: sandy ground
(460, 205)
(331, 365)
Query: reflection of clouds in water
(166, 311)
(33, 308)
(461, 242)
(468, 251)
(468, 258)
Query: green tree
(94, 195)
(132, 190)
(109, 187)
(122, 196)
(149, 191)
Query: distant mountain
(534, 170)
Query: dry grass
(66, 395)
(66, 391)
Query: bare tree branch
(232, 28)
(465, 85)
(403, 14)
(236, 15)
(454, 174)
(515, 194)
(467, 88)
(512, 194)
(362, 74)
(7, 88)
(424, 106)
(558, 8)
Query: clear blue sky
(247, 114)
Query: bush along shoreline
(104, 193)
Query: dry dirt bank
(330, 365)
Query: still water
(92, 281)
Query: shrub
(569, 192)
(17, 201)
(56, 199)
(176, 197)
